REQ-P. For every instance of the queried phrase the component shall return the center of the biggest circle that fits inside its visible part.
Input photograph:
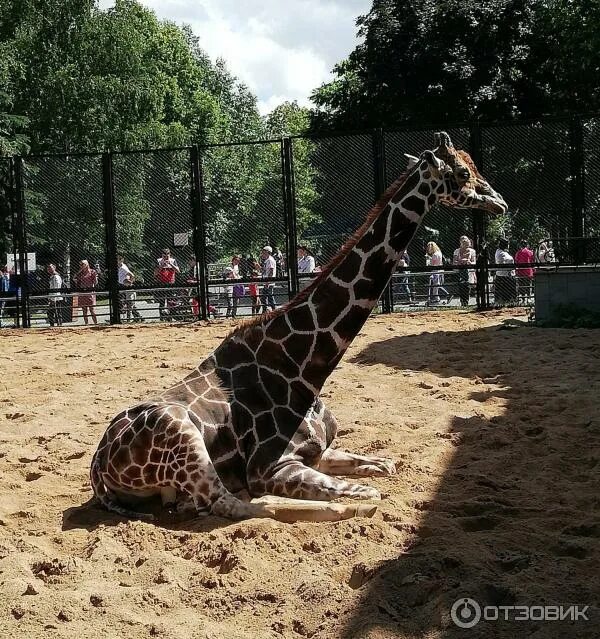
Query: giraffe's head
(463, 187)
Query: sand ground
(496, 433)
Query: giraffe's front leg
(338, 462)
(298, 481)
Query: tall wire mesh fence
(154, 235)
(244, 211)
(178, 234)
(591, 156)
(64, 229)
(335, 188)
(9, 303)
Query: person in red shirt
(523, 257)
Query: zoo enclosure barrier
(207, 203)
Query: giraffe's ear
(435, 164)
(412, 160)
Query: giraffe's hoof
(377, 467)
(364, 492)
(387, 466)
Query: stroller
(180, 307)
(184, 307)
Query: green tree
(428, 62)
(290, 119)
(122, 79)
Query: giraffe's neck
(337, 305)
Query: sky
(281, 49)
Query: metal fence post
(110, 228)
(199, 229)
(577, 162)
(289, 205)
(23, 279)
(479, 225)
(380, 179)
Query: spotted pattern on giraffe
(250, 416)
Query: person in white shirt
(127, 298)
(269, 269)
(464, 255)
(54, 299)
(434, 257)
(505, 289)
(306, 264)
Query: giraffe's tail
(107, 499)
(289, 510)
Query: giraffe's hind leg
(338, 462)
(108, 498)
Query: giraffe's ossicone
(249, 417)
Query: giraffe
(249, 417)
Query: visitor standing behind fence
(165, 273)
(306, 264)
(545, 252)
(55, 300)
(434, 257)
(506, 284)
(251, 268)
(523, 257)
(86, 279)
(279, 258)
(464, 255)
(235, 291)
(4, 288)
(404, 288)
(127, 298)
(269, 269)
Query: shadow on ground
(91, 515)
(515, 518)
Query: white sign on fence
(10, 262)
(181, 239)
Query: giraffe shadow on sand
(513, 519)
(90, 515)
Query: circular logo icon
(465, 613)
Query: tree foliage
(423, 62)
(77, 78)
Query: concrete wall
(579, 286)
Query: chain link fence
(64, 230)
(9, 288)
(244, 211)
(178, 234)
(335, 188)
(591, 159)
(155, 252)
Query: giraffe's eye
(463, 174)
